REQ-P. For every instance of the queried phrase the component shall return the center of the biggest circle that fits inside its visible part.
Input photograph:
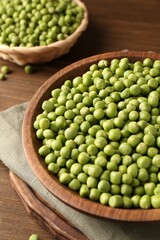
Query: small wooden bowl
(41, 54)
(31, 144)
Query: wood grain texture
(15, 222)
(31, 143)
(113, 25)
(44, 213)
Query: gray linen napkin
(12, 155)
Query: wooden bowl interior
(31, 144)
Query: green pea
(125, 148)
(94, 194)
(114, 134)
(115, 177)
(143, 162)
(76, 168)
(74, 184)
(83, 158)
(104, 198)
(100, 161)
(115, 201)
(149, 188)
(53, 167)
(145, 202)
(49, 158)
(34, 236)
(155, 201)
(126, 189)
(94, 170)
(156, 160)
(84, 191)
(65, 178)
(105, 175)
(5, 69)
(28, 69)
(133, 170)
(44, 151)
(143, 175)
(127, 202)
(136, 200)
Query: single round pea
(136, 200)
(126, 189)
(44, 151)
(76, 168)
(94, 194)
(115, 201)
(133, 140)
(28, 69)
(84, 191)
(105, 175)
(127, 202)
(103, 186)
(104, 198)
(143, 175)
(74, 184)
(115, 177)
(5, 69)
(34, 236)
(115, 189)
(108, 124)
(100, 142)
(145, 202)
(100, 161)
(44, 123)
(155, 201)
(116, 158)
(144, 162)
(94, 170)
(65, 178)
(149, 188)
(82, 177)
(149, 139)
(92, 150)
(70, 133)
(141, 148)
(127, 178)
(109, 150)
(114, 134)
(132, 170)
(125, 148)
(133, 127)
(156, 160)
(53, 167)
(83, 158)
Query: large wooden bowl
(31, 144)
(41, 54)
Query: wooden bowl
(31, 144)
(41, 54)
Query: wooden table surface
(113, 25)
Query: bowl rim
(59, 190)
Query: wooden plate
(31, 144)
(45, 215)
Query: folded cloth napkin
(12, 155)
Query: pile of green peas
(29, 23)
(100, 133)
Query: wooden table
(113, 25)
